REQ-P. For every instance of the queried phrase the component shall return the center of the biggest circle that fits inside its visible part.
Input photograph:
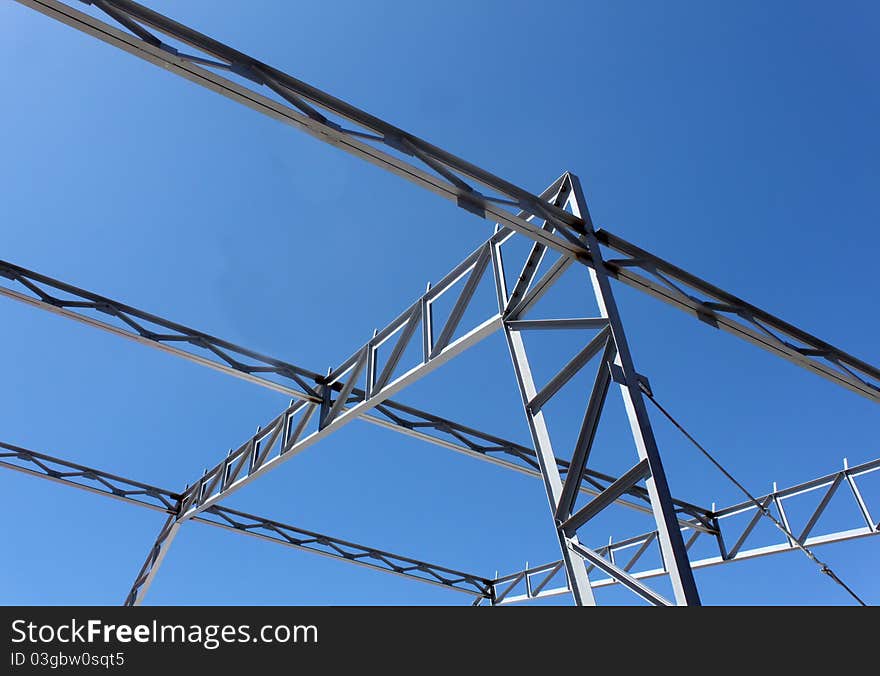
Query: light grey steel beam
(567, 372)
(218, 488)
(575, 569)
(541, 576)
(157, 332)
(669, 537)
(154, 559)
(309, 109)
(336, 548)
(609, 339)
(570, 234)
(99, 482)
(114, 486)
(150, 330)
(619, 575)
(379, 143)
(550, 324)
(707, 562)
(663, 280)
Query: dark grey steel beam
(144, 495)
(376, 141)
(311, 109)
(336, 548)
(58, 297)
(90, 479)
(669, 283)
(587, 433)
(606, 497)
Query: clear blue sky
(739, 141)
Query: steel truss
(617, 364)
(499, 590)
(160, 499)
(151, 330)
(732, 541)
(362, 386)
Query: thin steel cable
(823, 567)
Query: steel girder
(530, 583)
(46, 293)
(282, 437)
(81, 306)
(87, 478)
(242, 78)
(734, 541)
(160, 499)
(337, 397)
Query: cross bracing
(366, 384)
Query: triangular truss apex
(617, 365)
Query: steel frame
(362, 386)
(731, 541)
(616, 363)
(532, 583)
(163, 500)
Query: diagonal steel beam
(151, 330)
(687, 292)
(144, 579)
(376, 141)
(669, 538)
(607, 497)
(163, 42)
(86, 478)
(825, 485)
(212, 487)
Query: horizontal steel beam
(152, 497)
(145, 328)
(336, 548)
(536, 580)
(708, 562)
(162, 41)
(377, 142)
(90, 479)
(669, 283)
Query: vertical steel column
(670, 539)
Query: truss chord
(569, 227)
(848, 473)
(208, 342)
(231, 520)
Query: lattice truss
(431, 332)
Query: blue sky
(738, 141)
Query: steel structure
(362, 386)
